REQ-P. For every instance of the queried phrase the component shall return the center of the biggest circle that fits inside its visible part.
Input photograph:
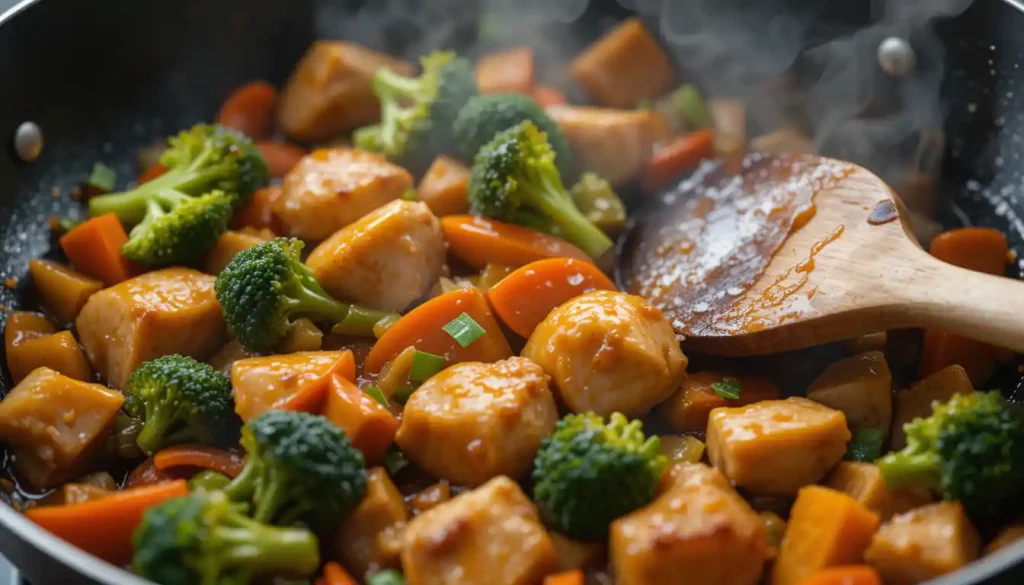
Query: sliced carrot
(547, 96)
(477, 241)
(281, 157)
(368, 423)
(151, 173)
(94, 248)
(675, 157)
(250, 110)
(981, 250)
(826, 528)
(506, 71)
(310, 396)
(334, 574)
(573, 577)
(104, 527)
(846, 575)
(978, 249)
(524, 298)
(201, 456)
(258, 212)
(422, 328)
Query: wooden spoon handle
(976, 305)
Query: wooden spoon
(800, 250)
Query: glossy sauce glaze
(697, 249)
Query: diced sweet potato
(624, 67)
(922, 544)
(174, 310)
(614, 143)
(826, 528)
(261, 382)
(775, 447)
(489, 536)
(369, 540)
(506, 71)
(916, 401)
(330, 90)
(55, 423)
(863, 481)
(21, 328)
(445, 187)
(687, 410)
(228, 245)
(333, 187)
(700, 527)
(369, 424)
(859, 386)
(59, 352)
(63, 291)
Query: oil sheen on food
(706, 242)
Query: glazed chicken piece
(370, 538)
(475, 421)
(698, 527)
(259, 382)
(608, 352)
(775, 447)
(168, 311)
(489, 536)
(613, 143)
(333, 187)
(330, 92)
(385, 260)
(923, 544)
(55, 424)
(859, 386)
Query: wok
(105, 77)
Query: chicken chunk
(259, 382)
(370, 539)
(330, 91)
(863, 481)
(923, 544)
(474, 421)
(228, 245)
(916, 401)
(699, 527)
(385, 260)
(775, 447)
(55, 424)
(174, 310)
(489, 536)
(608, 352)
(624, 66)
(333, 187)
(614, 143)
(859, 386)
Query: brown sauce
(697, 249)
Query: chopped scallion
(425, 365)
(377, 395)
(395, 461)
(866, 444)
(410, 195)
(386, 577)
(384, 324)
(728, 389)
(102, 177)
(464, 330)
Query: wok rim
(101, 571)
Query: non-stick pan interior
(106, 77)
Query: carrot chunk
(478, 241)
(675, 158)
(94, 248)
(250, 110)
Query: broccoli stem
(251, 545)
(551, 198)
(359, 321)
(387, 82)
(306, 298)
(275, 504)
(241, 488)
(161, 418)
(904, 470)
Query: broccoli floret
(514, 177)
(205, 539)
(179, 215)
(265, 289)
(485, 116)
(299, 467)
(180, 400)
(590, 472)
(971, 449)
(417, 113)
